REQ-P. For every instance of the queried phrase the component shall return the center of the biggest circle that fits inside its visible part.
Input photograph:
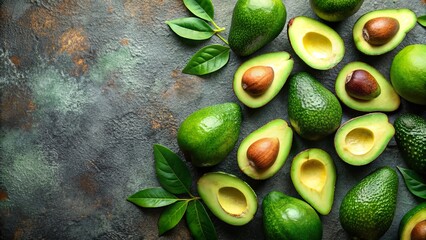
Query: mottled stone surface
(87, 87)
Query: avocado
(367, 210)
(228, 197)
(361, 78)
(413, 223)
(314, 111)
(360, 140)
(286, 217)
(410, 136)
(209, 134)
(380, 31)
(317, 44)
(258, 80)
(335, 11)
(264, 151)
(248, 33)
(314, 176)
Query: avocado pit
(256, 80)
(379, 31)
(313, 174)
(419, 231)
(232, 201)
(360, 84)
(359, 141)
(263, 152)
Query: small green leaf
(207, 60)
(172, 173)
(422, 20)
(201, 8)
(191, 28)
(171, 216)
(199, 222)
(152, 198)
(414, 182)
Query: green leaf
(152, 198)
(199, 222)
(201, 8)
(414, 182)
(422, 20)
(171, 216)
(207, 60)
(172, 173)
(191, 28)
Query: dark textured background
(87, 87)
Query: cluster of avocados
(208, 135)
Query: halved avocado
(362, 139)
(389, 32)
(228, 197)
(317, 44)
(413, 223)
(280, 65)
(264, 151)
(388, 100)
(314, 176)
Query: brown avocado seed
(378, 31)
(263, 153)
(256, 80)
(360, 84)
(419, 231)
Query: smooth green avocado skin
(334, 11)
(209, 134)
(289, 218)
(410, 136)
(254, 24)
(314, 111)
(368, 209)
(408, 220)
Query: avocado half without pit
(362, 139)
(317, 44)
(380, 31)
(363, 88)
(264, 151)
(228, 197)
(258, 80)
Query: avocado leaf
(172, 173)
(199, 222)
(422, 20)
(152, 198)
(191, 28)
(171, 216)
(207, 60)
(414, 182)
(201, 8)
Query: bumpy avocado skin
(254, 24)
(334, 11)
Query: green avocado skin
(335, 10)
(314, 111)
(410, 136)
(289, 218)
(254, 24)
(367, 210)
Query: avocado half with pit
(363, 88)
(264, 151)
(314, 176)
(362, 139)
(228, 197)
(413, 223)
(317, 44)
(380, 31)
(258, 80)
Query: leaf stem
(222, 38)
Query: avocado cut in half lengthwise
(361, 78)
(228, 197)
(264, 151)
(380, 31)
(413, 223)
(317, 44)
(314, 176)
(362, 139)
(259, 79)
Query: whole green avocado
(254, 24)
(335, 10)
